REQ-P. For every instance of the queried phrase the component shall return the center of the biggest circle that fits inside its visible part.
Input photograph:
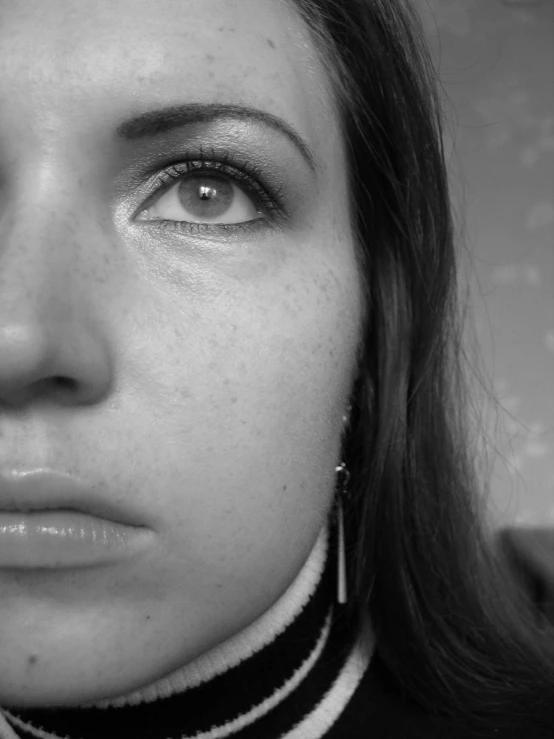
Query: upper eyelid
(154, 122)
(195, 165)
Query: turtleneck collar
(292, 670)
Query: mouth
(43, 490)
(52, 520)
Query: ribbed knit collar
(289, 674)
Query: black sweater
(289, 675)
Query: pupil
(206, 193)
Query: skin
(206, 371)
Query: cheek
(260, 336)
(286, 349)
(244, 385)
(271, 378)
(238, 419)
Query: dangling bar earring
(343, 478)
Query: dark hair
(453, 630)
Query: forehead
(72, 54)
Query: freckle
(270, 43)
(284, 488)
(33, 660)
(210, 58)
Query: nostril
(63, 383)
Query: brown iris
(205, 196)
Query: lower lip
(59, 538)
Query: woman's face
(206, 332)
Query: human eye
(209, 194)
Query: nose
(53, 345)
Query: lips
(44, 490)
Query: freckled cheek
(294, 343)
(258, 349)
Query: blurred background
(495, 60)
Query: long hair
(454, 632)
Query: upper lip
(40, 489)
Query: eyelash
(246, 176)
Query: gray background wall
(496, 64)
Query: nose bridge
(48, 274)
(42, 254)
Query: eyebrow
(165, 119)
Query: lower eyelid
(254, 226)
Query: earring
(343, 477)
(346, 417)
